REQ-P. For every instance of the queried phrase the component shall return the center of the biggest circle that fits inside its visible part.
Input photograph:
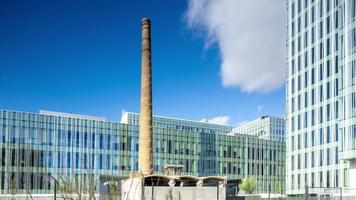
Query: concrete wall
(184, 193)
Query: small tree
(248, 185)
(65, 188)
(92, 187)
(112, 190)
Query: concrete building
(321, 94)
(35, 146)
(265, 127)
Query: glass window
(69, 139)
(101, 142)
(305, 140)
(305, 79)
(77, 139)
(328, 140)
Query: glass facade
(265, 127)
(35, 146)
(320, 113)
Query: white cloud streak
(221, 120)
(250, 35)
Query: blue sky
(84, 57)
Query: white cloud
(221, 120)
(251, 38)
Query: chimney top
(145, 21)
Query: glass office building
(35, 146)
(265, 127)
(321, 94)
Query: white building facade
(321, 94)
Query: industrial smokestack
(145, 140)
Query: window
(85, 139)
(305, 99)
(321, 136)
(305, 79)
(305, 140)
(305, 120)
(77, 160)
(327, 9)
(93, 141)
(305, 59)
(77, 139)
(328, 140)
(69, 140)
(336, 19)
(328, 25)
(305, 42)
(306, 19)
(336, 87)
(101, 142)
(306, 160)
(336, 155)
(328, 156)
